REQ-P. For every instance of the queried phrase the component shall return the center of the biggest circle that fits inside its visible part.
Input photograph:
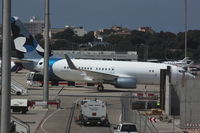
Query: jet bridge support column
(165, 92)
(168, 91)
(162, 88)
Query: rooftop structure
(79, 31)
(34, 26)
(146, 29)
(114, 30)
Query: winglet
(70, 63)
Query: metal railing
(17, 88)
(142, 122)
(20, 126)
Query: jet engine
(125, 82)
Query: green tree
(66, 34)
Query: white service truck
(92, 112)
(19, 105)
(125, 128)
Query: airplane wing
(95, 76)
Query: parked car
(125, 128)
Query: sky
(161, 15)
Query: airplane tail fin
(25, 44)
(185, 59)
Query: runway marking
(47, 119)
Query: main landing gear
(100, 87)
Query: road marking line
(47, 119)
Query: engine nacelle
(125, 82)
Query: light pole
(185, 28)
(46, 54)
(5, 91)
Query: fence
(142, 122)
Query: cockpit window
(40, 63)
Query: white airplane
(186, 62)
(121, 74)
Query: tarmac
(54, 120)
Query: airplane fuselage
(144, 72)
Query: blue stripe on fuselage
(52, 60)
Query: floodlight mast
(46, 54)
(185, 28)
(6, 79)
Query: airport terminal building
(98, 55)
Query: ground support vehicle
(125, 128)
(91, 112)
(19, 105)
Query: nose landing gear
(100, 87)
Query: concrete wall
(175, 102)
(190, 104)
